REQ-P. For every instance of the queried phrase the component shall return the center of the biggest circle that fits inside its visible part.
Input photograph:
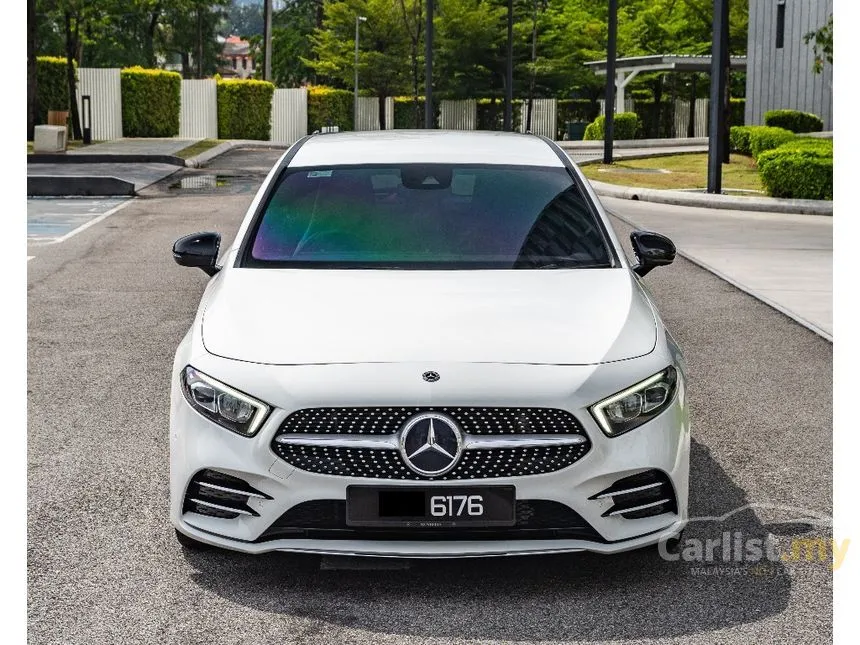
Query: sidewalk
(784, 260)
(135, 147)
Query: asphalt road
(107, 308)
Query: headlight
(636, 405)
(222, 404)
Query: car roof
(425, 146)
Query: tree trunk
(199, 41)
(658, 103)
(691, 121)
(186, 65)
(381, 110)
(71, 51)
(532, 79)
(150, 36)
(32, 107)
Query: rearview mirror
(198, 250)
(651, 250)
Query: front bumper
(662, 445)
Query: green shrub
(328, 106)
(824, 146)
(651, 128)
(574, 110)
(739, 139)
(150, 102)
(797, 172)
(405, 110)
(736, 111)
(52, 86)
(794, 120)
(627, 125)
(245, 109)
(764, 137)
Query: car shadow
(578, 596)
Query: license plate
(437, 507)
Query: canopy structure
(626, 69)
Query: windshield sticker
(319, 173)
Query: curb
(725, 202)
(737, 285)
(61, 158)
(78, 186)
(205, 157)
(597, 144)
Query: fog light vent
(219, 495)
(641, 495)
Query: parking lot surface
(106, 311)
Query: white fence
(103, 88)
(682, 118)
(458, 115)
(543, 117)
(198, 109)
(289, 115)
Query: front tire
(190, 543)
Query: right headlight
(637, 404)
(221, 404)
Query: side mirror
(198, 250)
(651, 250)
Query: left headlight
(221, 404)
(637, 404)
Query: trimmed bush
(52, 87)
(794, 120)
(763, 138)
(490, 115)
(736, 111)
(150, 102)
(245, 109)
(405, 109)
(739, 139)
(329, 106)
(797, 172)
(627, 125)
(651, 128)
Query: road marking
(91, 222)
(30, 257)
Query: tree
(822, 48)
(189, 29)
(384, 48)
(246, 20)
(292, 28)
(31, 69)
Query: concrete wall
(783, 78)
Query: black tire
(191, 544)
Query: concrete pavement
(131, 146)
(784, 260)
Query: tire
(191, 544)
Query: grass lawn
(196, 148)
(678, 171)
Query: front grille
(387, 463)
(220, 495)
(535, 519)
(471, 420)
(641, 495)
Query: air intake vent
(641, 495)
(218, 495)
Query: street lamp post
(358, 21)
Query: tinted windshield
(428, 216)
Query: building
(236, 60)
(779, 63)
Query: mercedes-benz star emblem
(430, 377)
(431, 443)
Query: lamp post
(609, 99)
(358, 21)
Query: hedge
(794, 120)
(646, 109)
(52, 86)
(739, 138)
(797, 170)
(737, 108)
(491, 114)
(627, 125)
(764, 138)
(245, 109)
(574, 110)
(150, 102)
(405, 109)
(328, 106)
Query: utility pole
(358, 21)
(199, 41)
(609, 99)
(716, 141)
(267, 40)
(509, 75)
(429, 112)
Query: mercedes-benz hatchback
(427, 344)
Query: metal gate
(458, 115)
(289, 115)
(198, 109)
(543, 117)
(104, 89)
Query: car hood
(561, 317)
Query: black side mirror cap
(651, 250)
(198, 250)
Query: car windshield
(436, 216)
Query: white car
(427, 344)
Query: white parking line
(91, 222)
